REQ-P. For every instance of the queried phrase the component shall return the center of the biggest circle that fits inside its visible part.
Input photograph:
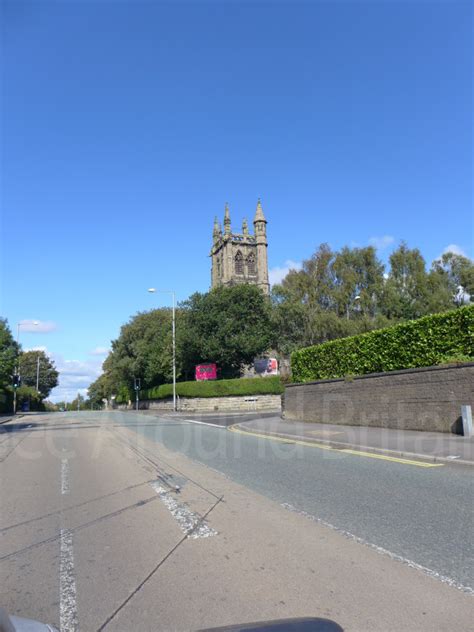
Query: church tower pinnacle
(227, 220)
(260, 224)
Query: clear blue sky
(128, 125)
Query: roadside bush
(427, 341)
(6, 400)
(218, 388)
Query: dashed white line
(64, 476)
(190, 523)
(67, 585)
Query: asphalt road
(422, 514)
(125, 521)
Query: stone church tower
(240, 257)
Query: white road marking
(64, 476)
(427, 571)
(67, 585)
(190, 523)
(204, 423)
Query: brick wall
(415, 399)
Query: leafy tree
(48, 375)
(99, 390)
(30, 395)
(143, 349)
(8, 354)
(228, 325)
(359, 281)
(332, 296)
(455, 274)
(406, 290)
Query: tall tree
(8, 354)
(455, 273)
(406, 289)
(99, 390)
(333, 295)
(228, 326)
(359, 281)
(143, 349)
(30, 362)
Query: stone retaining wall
(415, 399)
(213, 404)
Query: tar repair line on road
(157, 567)
(321, 446)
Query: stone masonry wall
(214, 404)
(415, 399)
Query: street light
(17, 370)
(153, 290)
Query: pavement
(123, 521)
(437, 447)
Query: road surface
(127, 521)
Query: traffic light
(16, 381)
(137, 384)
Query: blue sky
(128, 125)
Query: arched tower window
(251, 269)
(239, 263)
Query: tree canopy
(29, 363)
(8, 354)
(228, 326)
(335, 294)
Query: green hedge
(6, 401)
(428, 341)
(217, 388)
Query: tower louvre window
(251, 269)
(239, 263)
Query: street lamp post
(37, 372)
(153, 290)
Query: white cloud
(454, 248)
(99, 351)
(74, 377)
(381, 242)
(277, 274)
(37, 326)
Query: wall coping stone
(425, 369)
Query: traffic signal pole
(137, 385)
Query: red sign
(206, 372)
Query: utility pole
(16, 377)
